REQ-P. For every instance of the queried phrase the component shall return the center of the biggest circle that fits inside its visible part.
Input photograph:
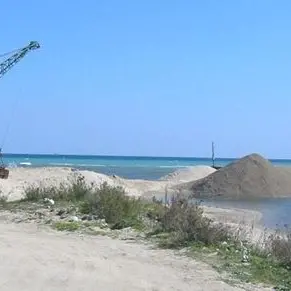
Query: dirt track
(33, 259)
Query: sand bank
(21, 178)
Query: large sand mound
(250, 177)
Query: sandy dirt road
(36, 259)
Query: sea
(275, 211)
(148, 168)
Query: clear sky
(159, 78)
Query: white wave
(27, 164)
(76, 165)
(173, 167)
(61, 164)
(94, 165)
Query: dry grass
(185, 223)
(75, 191)
(280, 247)
(104, 201)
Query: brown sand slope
(250, 177)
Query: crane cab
(4, 173)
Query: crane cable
(7, 130)
(9, 123)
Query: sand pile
(250, 177)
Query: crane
(13, 58)
(16, 57)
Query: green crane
(16, 56)
(13, 58)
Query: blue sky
(160, 78)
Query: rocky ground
(62, 217)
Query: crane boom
(16, 57)
(4, 68)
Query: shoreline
(21, 178)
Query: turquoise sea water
(127, 167)
(275, 211)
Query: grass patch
(3, 200)
(111, 204)
(259, 268)
(185, 223)
(104, 201)
(280, 247)
(75, 191)
(67, 225)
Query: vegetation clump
(73, 192)
(185, 223)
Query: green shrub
(185, 223)
(75, 191)
(112, 204)
(67, 225)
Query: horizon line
(131, 156)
